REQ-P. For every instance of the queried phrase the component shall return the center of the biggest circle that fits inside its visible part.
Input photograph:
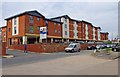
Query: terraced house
(24, 28)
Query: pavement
(80, 63)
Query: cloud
(103, 14)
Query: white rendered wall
(75, 31)
(65, 29)
(17, 26)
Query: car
(91, 47)
(104, 46)
(73, 47)
(98, 46)
(116, 48)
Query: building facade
(104, 36)
(24, 28)
(3, 34)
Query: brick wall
(54, 47)
(3, 48)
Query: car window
(75, 46)
(71, 46)
(118, 44)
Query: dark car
(116, 48)
(91, 47)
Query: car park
(73, 47)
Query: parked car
(98, 46)
(91, 47)
(73, 47)
(116, 48)
(104, 46)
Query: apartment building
(87, 30)
(104, 36)
(25, 28)
(65, 19)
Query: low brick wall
(54, 47)
(46, 47)
(83, 46)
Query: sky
(102, 14)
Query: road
(22, 58)
(80, 63)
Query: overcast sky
(103, 14)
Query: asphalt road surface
(24, 58)
(61, 63)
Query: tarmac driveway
(80, 63)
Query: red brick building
(3, 40)
(4, 33)
(104, 36)
(25, 28)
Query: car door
(75, 48)
(119, 48)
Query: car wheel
(79, 50)
(115, 50)
(72, 51)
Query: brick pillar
(3, 48)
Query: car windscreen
(71, 46)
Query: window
(65, 25)
(65, 32)
(58, 32)
(8, 29)
(31, 19)
(38, 28)
(54, 23)
(14, 21)
(46, 23)
(10, 41)
(38, 19)
(31, 29)
(55, 31)
(15, 30)
(65, 20)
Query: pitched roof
(66, 16)
(34, 12)
(104, 32)
(53, 20)
(3, 27)
(97, 27)
(86, 22)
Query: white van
(73, 47)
